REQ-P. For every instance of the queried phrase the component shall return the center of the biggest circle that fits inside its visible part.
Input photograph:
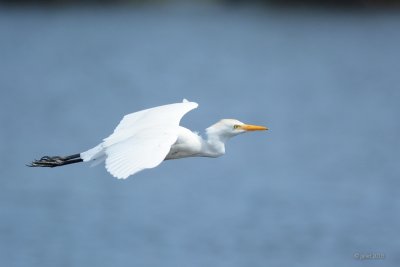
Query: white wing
(143, 139)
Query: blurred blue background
(321, 185)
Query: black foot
(55, 161)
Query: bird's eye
(236, 126)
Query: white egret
(144, 139)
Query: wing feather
(143, 139)
(167, 115)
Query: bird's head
(228, 128)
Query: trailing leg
(56, 161)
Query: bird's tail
(56, 161)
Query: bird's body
(146, 138)
(188, 144)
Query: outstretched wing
(143, 139)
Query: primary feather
(141, 140)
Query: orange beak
(249, 127)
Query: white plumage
(146, 138)
(141, 140)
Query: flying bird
(144, 139)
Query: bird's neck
(214, 146)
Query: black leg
(56, 161)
